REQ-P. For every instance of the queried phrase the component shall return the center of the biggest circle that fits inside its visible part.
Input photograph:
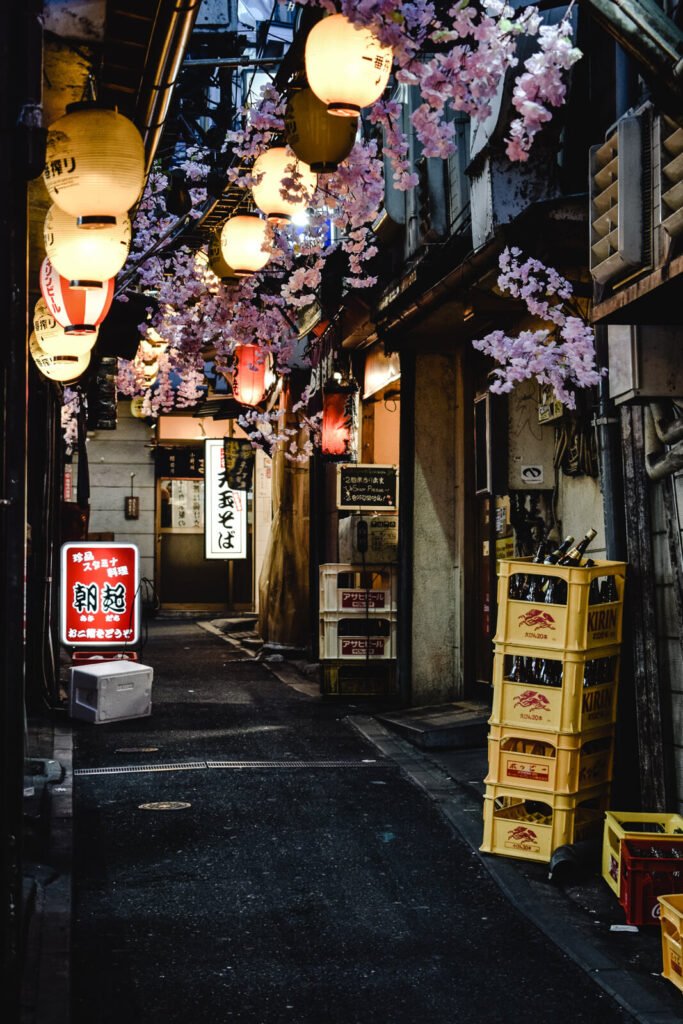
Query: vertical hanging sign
(225, 520)
(99, 594)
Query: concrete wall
(436, 670)
(113, 455)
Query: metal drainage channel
(197, 765)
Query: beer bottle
(573, 557)
(517, 673)
(608, 591)
(554, 557)
(594, 591)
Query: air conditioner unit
(671, 176)
(110, 691)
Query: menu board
(367, 487)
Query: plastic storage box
(671, 920)
(109, 691)
(530, 825)
(649, 868)
(357, 636)
(550, 762)
(354, 588)
(621, 825)
(571, 707)
(576, 625)
(355, 678)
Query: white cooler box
(109, 691)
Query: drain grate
(195, 765)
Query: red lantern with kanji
(339, 424)
(250, 381)
(79, 311)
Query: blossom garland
(561, 355)
(71, 405)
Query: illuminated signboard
(225, 518)
(99, 594)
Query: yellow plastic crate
(569, 708)
(574, 626)
(550, 762)
(345, 587)
(347, 679)
(631, 825)
(530, 825)
(671, 922)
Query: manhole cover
(165, 805)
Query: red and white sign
(99, 595)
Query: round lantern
(79, 311)
(249, 383)
(62, 368)
(339, 421)
(346, 66)
(316, 137)
(85, 258)
(242, 240)
(94, 164)
(53, 339)
(273, 168)
(137, 407)
(216, 260)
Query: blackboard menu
(367, 487)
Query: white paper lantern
(61, 368)
(53, 339)
(242, 241)
(272, 168)
(85, 258)
(346, 66)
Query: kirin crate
(531, 825)
(671, 920)
(576, 625)
(621, 825)
(649, 868)
(572, 707)
(550, 762)
(357, 636)
(345, 587)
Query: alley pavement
(253, 852)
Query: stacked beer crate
(358, 628)
(556, 672)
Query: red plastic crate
(649, 868)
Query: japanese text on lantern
(226, 509)
(99, 598)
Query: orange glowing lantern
(250, 380)
(339, 420)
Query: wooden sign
(367, 487)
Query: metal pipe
(233, 62)
(608, 431)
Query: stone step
(442, 726)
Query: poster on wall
(99, 594)
(225, 516)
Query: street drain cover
(165, 805)
(136, 750)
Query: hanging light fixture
(53, 339)
(340, 418)
(78, 311)
(95, 164)
(273, 168)
(250, 379)
(64, 369)
(216, 260)
(346, 66)
(85, 258)
(242, 240)
(319, 139)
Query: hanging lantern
(85, 258)
(216, 259)
(316, 137)
(346, 66)
(250, 380)
(137, 407)
(340, 418)
(94, 165)
(62, 368)
(77, 310)
(52, 337)
(242, 240)
(273, 168)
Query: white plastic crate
(356, 636)
(109, 691)
(347, 587)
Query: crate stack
(642, 859)
(555, 680)
(358, 628)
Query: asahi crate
(621, 825)
(357, 636)
(345, 587)
(671, 921)
(358, 679)
(575, 706)
(550, 762)
(574, 625)
(530, 825)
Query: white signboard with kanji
(99, 594)
(225, 518)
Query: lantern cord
(89, 89)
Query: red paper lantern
(249, 381)
(79, 311)
(339, 420)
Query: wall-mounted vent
(616, 186)
(671, 136)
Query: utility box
(644, 363)
(110, 691)
(382, 539)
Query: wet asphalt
(287, 891)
